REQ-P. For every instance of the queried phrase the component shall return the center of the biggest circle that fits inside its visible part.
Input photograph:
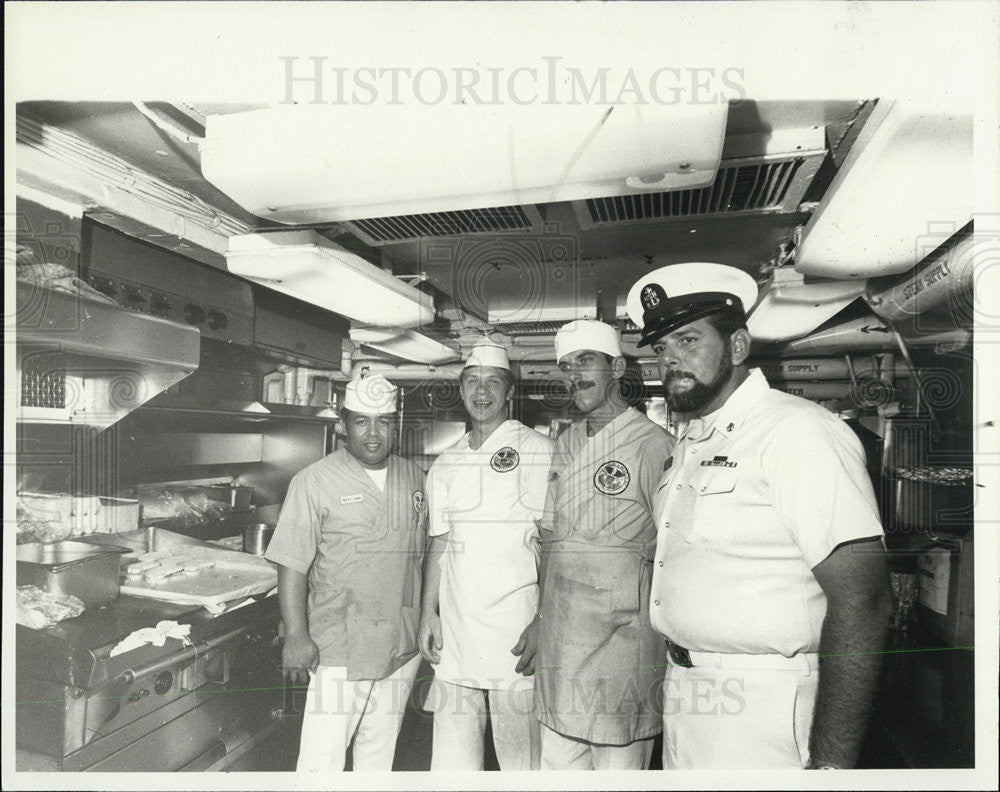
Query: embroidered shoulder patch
(505, 460)
(612, 478)
(419, 502)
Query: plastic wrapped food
(56, 277)
(188, 506)
(49, 517)
(37, 608)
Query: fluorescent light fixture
(305, 163)
(909, 173)
(310, 267)
(406, 344)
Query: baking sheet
(234, 575)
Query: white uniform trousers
(561, 752)
(460, 726)
(739, 711)
(337, 709)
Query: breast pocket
(716, 517)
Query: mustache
(581, 385)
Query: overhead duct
(790, 308)
(306, 164)
(82, 361)
(310, 267)
(910, 171)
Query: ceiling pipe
(870, 333)
(946, 276)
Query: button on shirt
(487, 500)
(760, 492)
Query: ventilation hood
(306, 164)
(80, 361)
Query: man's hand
(299, 656)
(526, 648)
(429, 638)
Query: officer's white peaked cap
(676, 295)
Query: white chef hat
(373, 395)
(676, 295)
(486, 353)
(587, 334)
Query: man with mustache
(599, 663)
(481, 577)
(349, 547)
(770, 582)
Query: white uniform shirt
(758, 493)
(487, 501)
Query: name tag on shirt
(344, 499)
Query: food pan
(84, 570)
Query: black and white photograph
(501, 395)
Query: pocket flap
(716, 482)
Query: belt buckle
(679, 655)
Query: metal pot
(257, 537)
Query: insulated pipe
(832, 368)
(869, 334)
(945, 276)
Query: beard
(701, 394)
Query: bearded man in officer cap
(349, 546)
(599, 663)
(770, 582)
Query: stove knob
(217, 320)
(163, 683)
(138, 695)
(194, 314)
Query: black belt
(679, 654)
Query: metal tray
(84, 570)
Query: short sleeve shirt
(362, 550)
(756, 496)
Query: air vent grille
(385, 230)
(529, 328)
(43, 387)
(745, 185)
(740, 188)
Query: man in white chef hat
(481, 581)
(349, 546)
(599, 663)
(770, 580)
